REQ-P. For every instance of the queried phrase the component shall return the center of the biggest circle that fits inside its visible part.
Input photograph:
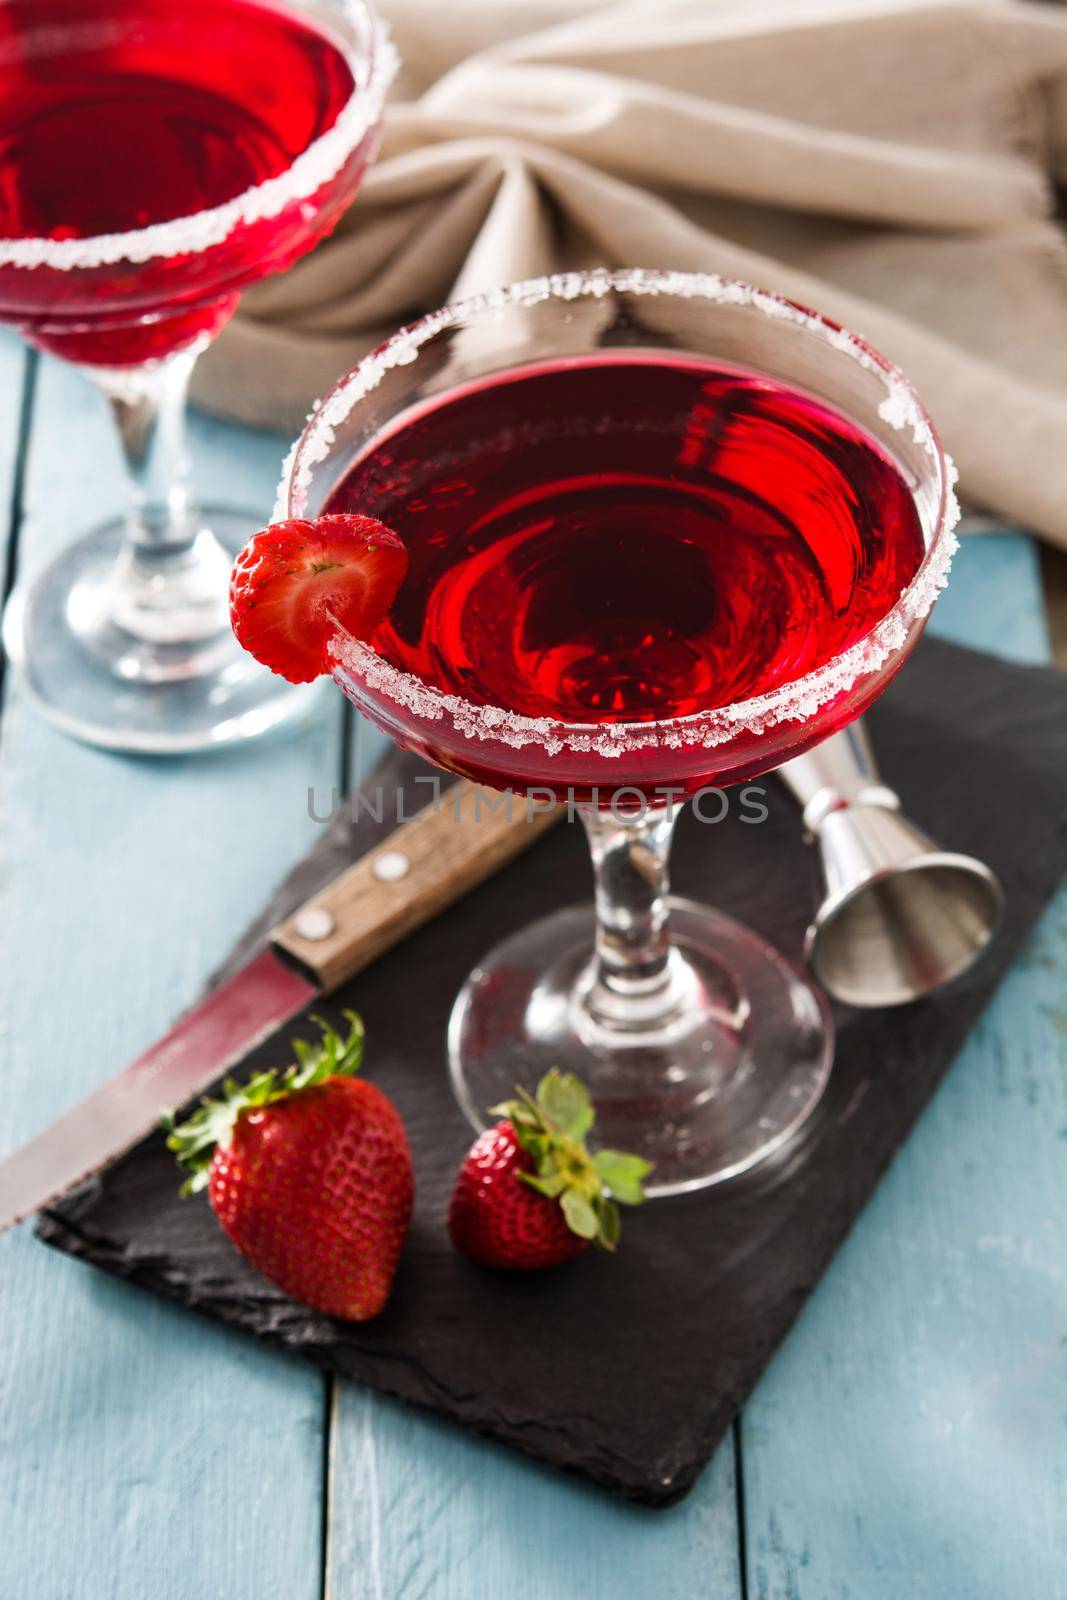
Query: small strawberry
(529, 1194)
(295, 584)
(309, 1174)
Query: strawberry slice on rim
(295, 584)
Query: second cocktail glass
(571, 463)
(156, 158)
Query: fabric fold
(885, 162)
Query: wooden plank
(419, 1508)
(145, 1452)
(908, 1440)
(994, 600)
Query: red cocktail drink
(662, 531)
(627, 539)
(155, 158)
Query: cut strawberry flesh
(296, 584)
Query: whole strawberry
(529, 1194)
(309, 1174)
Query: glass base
(725, 1083)
(108, 664)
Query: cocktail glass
(705, 1051)
(124, 640)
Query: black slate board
(629, 1370)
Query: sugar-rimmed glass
(124, 639)
(704, 1049)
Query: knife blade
(422, 867)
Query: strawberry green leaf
(581, 1218)
(564, 1100)
(623, 1175)
(551, 1186)
(609, 1224)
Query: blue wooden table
(907, 1442)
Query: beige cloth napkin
(885, 161)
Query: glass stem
(148, 407)
(169, 585)
(636, 978)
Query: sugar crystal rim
(203, 230)
(797, 700)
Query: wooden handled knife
(416, 872)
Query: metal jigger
(901, 917)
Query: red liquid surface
(118, 114)
(625, 539)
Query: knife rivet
(391, 865)
(315, 923)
